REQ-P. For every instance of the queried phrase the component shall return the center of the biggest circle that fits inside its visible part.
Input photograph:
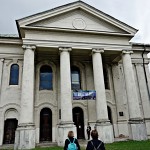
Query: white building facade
(72, 49)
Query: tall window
(46, 78)
(106, 79)
(14, 74)
(75, 78)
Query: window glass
(75, 78)
(14, 74)
(46, 78)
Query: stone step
(7, 146)
(46, 144)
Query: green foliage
(126, 145)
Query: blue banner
(84, 95)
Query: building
(49, 75)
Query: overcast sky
(135, 13)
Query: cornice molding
(10, 41)
(42, 28)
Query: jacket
(96, 143)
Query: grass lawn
(127, 145)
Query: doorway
(10, 126)
(46, 125)
(78, 119)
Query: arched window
(75, 78)
(14, 74)
(46, 78)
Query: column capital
(65, 49)
(127, 52)
(98, 50)
(2, 59)
(31, 47)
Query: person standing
(71, 142)
(95, 143)
(88, 130)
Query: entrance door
(10, 126)
(46, 125)
(78, 120)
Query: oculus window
(75, 78)
(46, 78)
(14, 74)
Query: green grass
(126, 145)
(129, 145)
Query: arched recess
(53, 67)
(46, 125)
(10, 125)
(78, 119)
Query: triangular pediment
(77, 16)
(78, 19)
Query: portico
(73, 48)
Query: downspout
(145, 71)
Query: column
(1, 118)
(66, 123)
(25, 134)
(137, 127)
(143, 89)
(103, 125)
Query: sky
(135, 13)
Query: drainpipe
(145, 70)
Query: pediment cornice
(79, 5)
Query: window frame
(79, 74)
(18, 75)
(52, 85)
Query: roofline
(18, 28)
(140, 44)
(52, 9)
(72, 3)
(78, 31)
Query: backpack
(98, 148)
(72, 146)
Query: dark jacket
(96, 143)
(71, 139)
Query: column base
(105, 132)
(63, 129)
(25, 137)
(137, 130)
(147, 124)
